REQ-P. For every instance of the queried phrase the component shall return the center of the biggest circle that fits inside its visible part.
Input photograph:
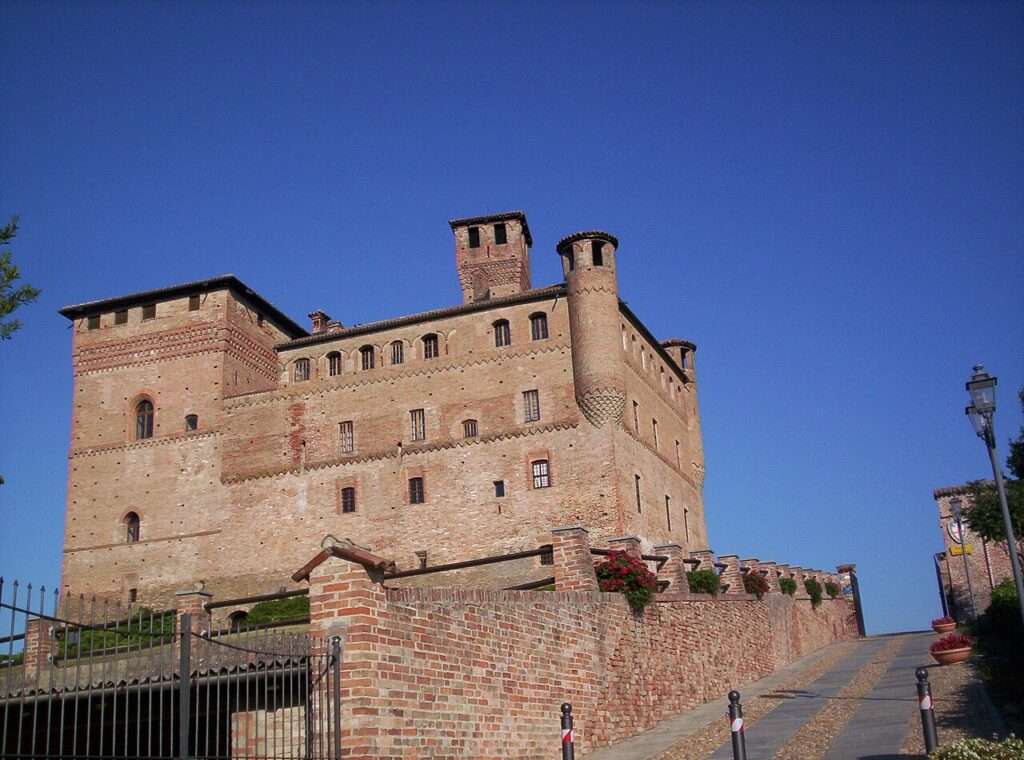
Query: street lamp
(982, 390)
(955, 508)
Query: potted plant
(832, 589)
(630, 576)
(953, 647)
(944, 625)
(787, 586)
(704, 581)
(813, 588)
(756, 584)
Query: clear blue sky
(825, 197)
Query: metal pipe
(468, 563)
(1011, 539)
(924, 698)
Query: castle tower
(588, 261)
(492, 254)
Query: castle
(215, 440)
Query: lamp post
(956, 509)
(982, 390)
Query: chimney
(320, 321)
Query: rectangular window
(500, 234)
(541, 474)
(94, 322)
(347, 437)
(474, 237)
(686, 524)
(259, 320)
(397, 352)
(121, 317)
(502, 333)
(636, 481)
(595, 253)
(149, 311)
(636, 417)
(133, 595)
(421, 558)
(499, 488)
(418, 425)
(334, 364)
(348, 499)
(668, 512)
(193, 303)
(416, 495)
(531, 406)
(191, 422)
(469, 429)
(547, 558)
(654, 429)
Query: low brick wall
(448, 673)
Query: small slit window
(541, 473)
(144, 419)
(193, 303)
(469, 429)
(397, 352)
(474, 237)
(538, 326)
(348, 500)
(94, 322)
(191, 422)
(430, 346)
(149, 311)
(636, 482)
(334, 364)
(366, 357)
(416, 492)
(499, 489)
(301, 370)
(502, 333)
(121, 317)
(500, 234)
(132, 528)
(596, 254)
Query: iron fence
(89, 678)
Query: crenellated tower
(588, 261)
(492, 254)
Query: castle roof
(228, 281)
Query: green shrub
(813, 588)
(145, 628)
(277, 610)
(1010, 748)
(787, 586)
(1003, 612)
(832, 589)
(756, 584)
(704, 582)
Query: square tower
(492, 254)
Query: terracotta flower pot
(951, 656)
(944, 627)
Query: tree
(984, 514)
(11, 297)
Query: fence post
(336, 693)
(568, 753)
(184, 681)
(739, 740)
(924, 698)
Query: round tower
(588, 261)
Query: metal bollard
(739, 739)
(568, 753)
(924, 698)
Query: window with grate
(538, 326)
(348, 499)
(397, 352)
(301, 370)
(193, 303)
(334, 363)
(121, 317)
(500, 234)
(144, 419)
(347, 437)
(531, 406)
(191, 422)
(547, 558)
(416, 492)
(469, 429)
(474, 237)
(430, 346)
(499, 489)
(366, 357)
(133, 528)
(502, 333)
(418, 425)
(149, 311)
(541, 473)
(94, 321)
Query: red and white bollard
(739, 740)
(568, 753)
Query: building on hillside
(215, 440)
(987, 563)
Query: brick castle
(215, 440)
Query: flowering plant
(943, 621)
(755, 583)
(951, 641)
(623, 572)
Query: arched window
(237, 620)
(191, 422)
(430, 346)
(502, 333)
(366, 357)
(301, 370)
(538, 326)
(144, 419)
(132, 528)
(333, 363)
(397, 352)
(469, 429)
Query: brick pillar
(628, 544)
(731, 575)
(194, 603)
(38, 645)
(574, 567)
(797, 573)
(706, 557)
(773, 583)
(674, 569)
